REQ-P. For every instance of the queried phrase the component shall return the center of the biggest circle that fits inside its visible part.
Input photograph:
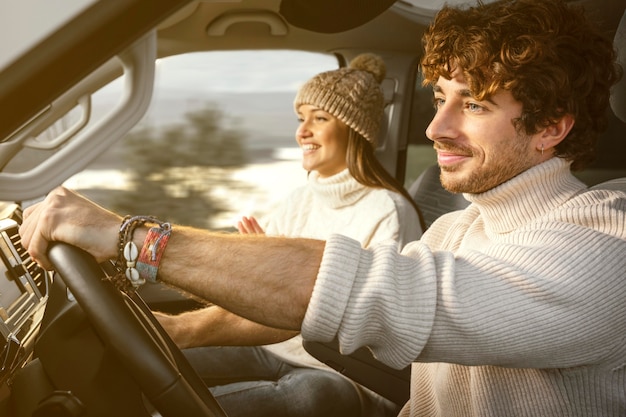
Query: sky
(272, 71)
(194, 78)
(240, 71)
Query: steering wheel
(151, 357)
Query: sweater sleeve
(545, 296)
(364, 300)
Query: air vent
(39, 275)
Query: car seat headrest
(618, 93)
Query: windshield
(222, 129)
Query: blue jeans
(250, 381)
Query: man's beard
(510, 162)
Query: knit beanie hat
(351, 94)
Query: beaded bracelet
(129, 277)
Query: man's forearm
(214, 326)
(268, 280)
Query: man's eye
(473, 107)
(438, 102)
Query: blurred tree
(174, 171)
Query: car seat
(432, 199)
(618, 98)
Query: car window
(420, 152)
(222, 127)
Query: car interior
(73, 345)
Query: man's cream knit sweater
(515, 306)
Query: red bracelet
(152, 251)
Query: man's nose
(443, 124)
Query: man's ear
(553, 134)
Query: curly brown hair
(545, 52)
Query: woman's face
(323, 139)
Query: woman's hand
(249, 226)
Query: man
(512, 307)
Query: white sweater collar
(526, 196)
(337, 191)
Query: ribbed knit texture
(513, 307)
(352, 94)
(340, 204)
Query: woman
(348, 192)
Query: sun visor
(331, 16)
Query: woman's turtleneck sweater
(515, 306)
(340, 204)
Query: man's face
(478, 147)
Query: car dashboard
(56, 362)
(23, 295)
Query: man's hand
(68, 217)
